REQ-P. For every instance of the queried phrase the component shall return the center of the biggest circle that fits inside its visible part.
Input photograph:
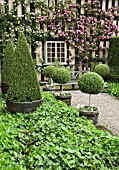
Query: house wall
(105, 4)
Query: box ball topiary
(48, 71)
(102, 69)
(91, 83)
(61, 75)
(24, 86)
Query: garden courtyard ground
(108, 106)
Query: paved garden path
(108, 108)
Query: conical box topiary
(7, 67)
(24, 86)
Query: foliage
(48, 71)
(61, 75)
(113, 59)
(7, 66)
(114, 74)
(103, 70)
(24, 85)
(91, 83)
(55, 137)
(95, 21)
(113, 89)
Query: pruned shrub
(103, 70)
(61, 75)
(91, 83)
(24, 86)
(7, 67)
(48, 71)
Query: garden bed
(54, 137)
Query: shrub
(103, 70)
(113, 59)
(91, 83)
(61, 75)
(8, 60)
(113, 56)
(114, 74)
(48, 71)
(113, 89)
(24, 86)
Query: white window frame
(65, 52)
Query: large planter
(23, 106)
(66, 99)
(50, 89)
(91, 115)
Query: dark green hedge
(7, 66)
(113, 59)
(24, 86)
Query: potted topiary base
(91, 113)
(64, 96)
(91, 83)
(23, 106)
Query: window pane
(62, 49)
(58, 44)
(62, 59)
(58, 49)
(58, 55)
(48, 49)
(49, 60)
(49, 45)
(62, 54)
(53, 45)
(62, 44)
(53, 54)
(53, 49)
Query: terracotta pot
(66, 99)
(91, 115)
(23, 106)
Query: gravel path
(108, 107)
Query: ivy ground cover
(54, 138)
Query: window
(56, 49)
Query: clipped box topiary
(48, 72)
(24, 92)
(7, 67)
(62, 76)
(90, 83)
(103, 70)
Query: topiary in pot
(7, 67)
(24, 92)
(90, 83)
(62, 76)
(48, 72)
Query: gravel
(108, 108)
